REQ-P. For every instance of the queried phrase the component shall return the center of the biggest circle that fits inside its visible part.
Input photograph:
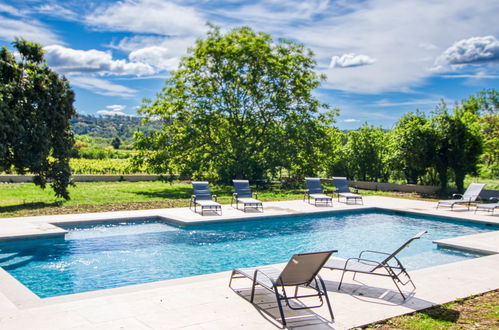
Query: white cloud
(113, 110)
(388, 103)
(156, 56)
(177, 46)
(101, 86)
(474, 50)
(350, 120)
(31, 30)
(148, 16)
(404, 36)
(72, 60)
(350, 60)
(56, 10)
(4, 8)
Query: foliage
(99, 148)
(413, 146)
(116, 143)
(36, 106)
(488, 106)
(239, 105)
(367, 154)
(110, 127)
(103, 166)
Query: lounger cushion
(207, 203)
(487, 206)
(354, 266)
(320, 196)
(350, 195)
(249, 201)
(453, 201)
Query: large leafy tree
(458, 144)
(367, 153)
(36, 106)
(239, 105)
(413, 145)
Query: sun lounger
(489, 207)
(314, 191)
(244, 195)
(300, 272)
(343, 190)
(470, 195)
(379, 263)
(203, 198)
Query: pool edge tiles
(172, 218)
(103, 264)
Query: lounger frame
(244, 195)
(471, 194)
(315, 191)
(343, 190)
(390, 266)
(202, 194)
(276, 281)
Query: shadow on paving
(378, 295)
(28, 206)
(265, 303)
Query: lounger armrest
(371, 251)
(234, 194)
(494, 199)
(457, 196)
(193, 198)
(255, 195)
(363, 261)
(215, 197)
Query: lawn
(478, 312)
(26, 199)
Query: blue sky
(382, 57)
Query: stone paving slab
(206, 301)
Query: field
(24, 199)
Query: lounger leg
(253, 288)
(398, 288)
(341, 280)
(281, 311)
(327, 299)
(231, 276)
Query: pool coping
(23, 299)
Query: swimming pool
(119, 254)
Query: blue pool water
(112, 255)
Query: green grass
(476, 312)
(112, 192)
(26, 199)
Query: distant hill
(112, 126)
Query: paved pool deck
(206, 301)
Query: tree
(367, 153)
(36, 106)
(413, 141)
(458, 144)
(239, 105)
(116, 143)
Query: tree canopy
(36, 105)
(240, 105)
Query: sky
(382, 58)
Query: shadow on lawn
(183, 192)
(28, 206)
(441, 313)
